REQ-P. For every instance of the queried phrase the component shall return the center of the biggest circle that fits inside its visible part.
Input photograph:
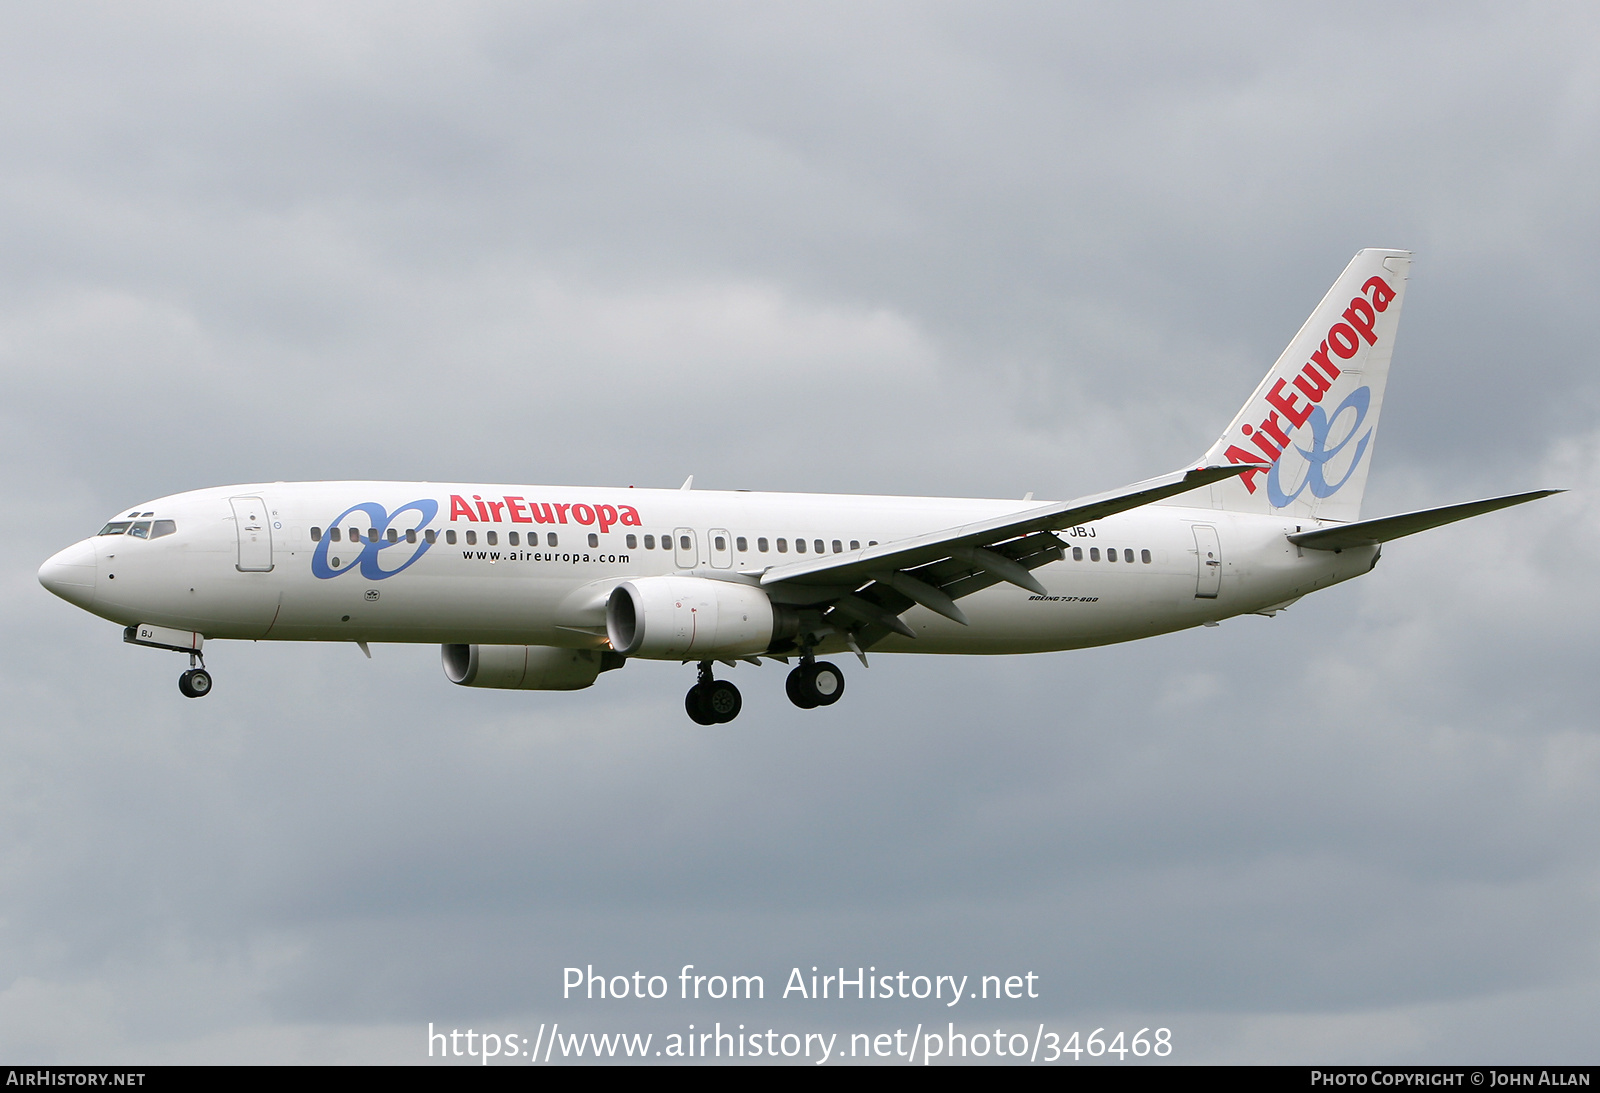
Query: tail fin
(1315, 416)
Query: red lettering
(561, 511)
(1265, 445)
(1381, 292)
(583, 514)
(1321, 357)
(496, 507)
(514, 509)
(1311, 384)
(1239, 455)
(1270, 427)
(459, 507)
(606, 515)
(541, 513)
(630, 517)
(1361, 316)
(483, 513)
(1296, 417)
(1344, 340)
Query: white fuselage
(542, 559)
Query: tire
(723, 701)
(195, 683)
(695, 703)
(827, 683)
(798, 687)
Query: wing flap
(1373, 532)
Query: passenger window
(1077, 554)
(1094, 553)
(649, 542)
(633, 542)
(393, 535)
(741, 544)
(783, 546)
(372, 535)
(800, 546)
(316, 535)
(551, 538)
(872, 542)
(838, 547)
(718, 542)
(855, 544)
(493, 538)
(1111, 554)
(761, 544)
(163, 527)
(1144, 556)
(818, 544)
(683, 543)
(514, 539)
(1127, 555)
(594, 540)
(334, 535)
(355, 535)
(472, 538)
(450, 536)
(140, 530)
(430, 535)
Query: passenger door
(685, 549)
(721, 548)
(1208, 551)
(255, 537)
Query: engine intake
(676, 618)
(525, 667)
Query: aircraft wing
(866, 590)
(1373, 532)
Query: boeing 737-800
(544, 587)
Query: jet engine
(525, 667)
(683, 618)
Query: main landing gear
(712, 701)
(716, 701)
(196, 682)
(814, 684)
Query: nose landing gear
(196, 682)
(814, 684)
(712, 701)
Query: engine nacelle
(681, 618)
(525, 667)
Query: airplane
(536, 587)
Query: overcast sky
(971, 249)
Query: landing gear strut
(712, 701)
(814, 683)
(196, 682)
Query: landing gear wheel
(698, 708)
(827, 683)
(798, 687)
(723, 701)
(195, 683)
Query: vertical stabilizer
(1315, 416)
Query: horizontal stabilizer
(1373, 532)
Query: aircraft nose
(70, 574)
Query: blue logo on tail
(1319, 454)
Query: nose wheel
(712, 701)
(196, 682)
(814, 683)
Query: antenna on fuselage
(688, 483)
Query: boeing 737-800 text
(545, 587)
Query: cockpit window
(163, 527)
(140, 529)
(116, 527)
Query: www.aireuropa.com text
(910, 1046)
